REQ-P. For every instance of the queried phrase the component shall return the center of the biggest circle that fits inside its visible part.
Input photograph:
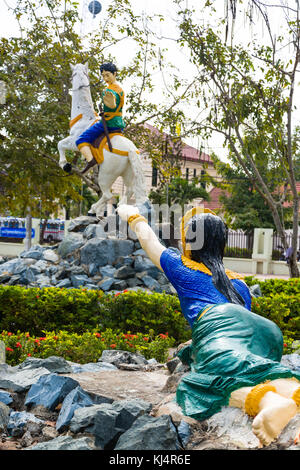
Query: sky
(167, 29)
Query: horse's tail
(140, 184)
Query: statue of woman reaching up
(235, 354)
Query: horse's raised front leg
(65, 144)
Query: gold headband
(184, 221)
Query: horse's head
(80, 76)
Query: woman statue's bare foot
(275, 413)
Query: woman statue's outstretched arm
(147, 238)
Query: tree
(180, 191)
(243, 207)
(248, 92)
(35, 115)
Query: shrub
(271, 287)
(83, 348)
(78, 310)
(234, 252)
(282, 309)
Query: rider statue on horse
(112, 120)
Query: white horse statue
(114, 165)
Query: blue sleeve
(171, 265)
(243, 289)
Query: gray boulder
(94, 231)
(292, 361)
(77, 398)
(33, 254)
(11, 265)
(149, 433)
(124, 272)
(20, 380)
(124, 261)
(5, 397)
(4, 416)
(104, 251)
(93, 269)
(91, 367)
(81, 223)
(54, 364)
(4, 277)
(43, 281)
(106, 283)
(119, 285)
(151, 283)
(50, 390)
(27, 276)
(65, 443)
(64, 283)
(18, 421)
(69, 244)
(98, 420)
(51, 256)
(79, 280)
(107, 271)
(118, 357)
(129, 410)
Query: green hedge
(280, 302)
(271, 287)
(78, 310)
(35, 310)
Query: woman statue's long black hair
(207, 234)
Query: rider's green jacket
(114, 117)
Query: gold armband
(253, 398)
(134, 219)
(296, 396)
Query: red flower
(55, 337)
(37, 296)
(118, 293)
(162, 336)
(98, 335)
(9, 334)
(125, 291)
(146, 339)
(28, 354)
(18, 345)
(9, 349)
(113, 346)
(285, 345)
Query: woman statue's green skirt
(231, 348)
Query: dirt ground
(121, 384)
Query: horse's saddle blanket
(99, 144)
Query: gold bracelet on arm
(134, 219)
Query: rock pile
(88, 257)
(42, 407)
(54, 404)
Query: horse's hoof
(67, 167)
